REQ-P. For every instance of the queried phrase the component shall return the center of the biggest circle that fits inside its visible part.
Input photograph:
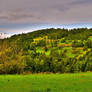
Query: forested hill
(47, 50)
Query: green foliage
(48, 50)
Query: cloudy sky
(26, 15)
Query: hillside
(48, 50)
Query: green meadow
(77, 82)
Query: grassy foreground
(81, 82)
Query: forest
(47, 50)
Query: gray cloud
(45, 11)
(16, 15)
(81, 2)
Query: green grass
(81, 82)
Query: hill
(48, 50)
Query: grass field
(81, 82)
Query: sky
(17, 16)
